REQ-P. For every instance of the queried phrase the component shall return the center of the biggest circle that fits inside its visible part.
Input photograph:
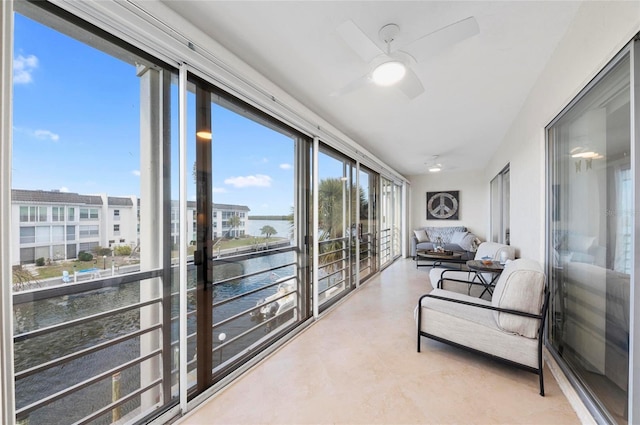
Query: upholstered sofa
(508, 328)
(454, 238)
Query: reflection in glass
(590, 240)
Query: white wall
(598, 32)
(474, 200)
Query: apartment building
(56, 225)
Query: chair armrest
(451, 279)
(486, 307)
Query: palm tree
(330, 211)
(234, 221)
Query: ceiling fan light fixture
(388, 73)
(435, 169)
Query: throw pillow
(468, 242)
(421, 235)
(457, 237)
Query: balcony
(359, 364)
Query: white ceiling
(473, 90)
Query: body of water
(283, 227)
(36, 315)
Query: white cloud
(64, 189)
(219, 190)
(23, 67)
(46, 134)
(259, 180)
(285, 166)
(136, 173)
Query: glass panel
(397, 220)
(71, 233)
(57, 233)
(368, 234)
(42, 234)
(246, 248)
(90, 117)
(590, 242)
(335, 216)
(27, 235)
(255, 296)
(386, 222)
(24, 214)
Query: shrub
(85, 256)
(100, 251)
(40, 261)
(122, 250)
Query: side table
(494, 268)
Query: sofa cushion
(444, 232)
(520, 287)
(421, 235)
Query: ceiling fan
(394, 67)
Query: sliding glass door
(249, 279)
(337, 225)
(500, 201)
(95, 325)
(368, 222)
(390, 213)
(591, 222)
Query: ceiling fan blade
(353, 85)
(362, 45)
(437, 41)
(410, 85)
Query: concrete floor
(359, 365)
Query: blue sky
(76, 128)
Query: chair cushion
(474, 327)
(520, 287)
(421, 235)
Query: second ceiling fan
(394, 67)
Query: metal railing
(334, 268)
(385, 246)
(93, 348)
(70, 343)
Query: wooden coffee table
(437, 258)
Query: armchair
(508, 328)
(439, 276)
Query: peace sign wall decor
(443, 205)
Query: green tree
(330, 211)
(234, 221)
(268, 231)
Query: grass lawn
(56, 268)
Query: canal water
(41, 314)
